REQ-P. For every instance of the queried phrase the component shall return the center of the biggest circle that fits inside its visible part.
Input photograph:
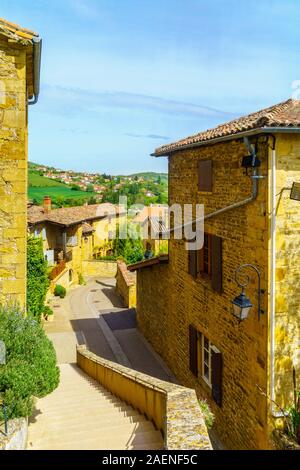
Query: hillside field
(39, 186)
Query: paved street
(94, 315)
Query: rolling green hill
(40, 186)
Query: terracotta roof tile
(71, 215)
(15, 31)
(148, 263)
(286, 114)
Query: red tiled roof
(15, 31)
(286, 114)
(71, 215)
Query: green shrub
(37, 277)
(60, 291)
(81, 280)
(207, 413)
(48, 311)
(30, 370)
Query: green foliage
(130, 249)
(106, 258)
(37, 277)
(30, 370)
(60, 291)
(207, 413)
(81, 280)
(293, 413)
(48, 312)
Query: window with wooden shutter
(205, 180)
(216, 264)
(193, 340)
(216, 375)
(207, 262)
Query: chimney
(47, 204)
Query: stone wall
(126, 285)
(287, 324)
(13, 171)
(169, 299)
(99, 268)
(173, 409)
(17, 435)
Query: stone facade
(126, 285)
(14, 83)
(169, 299)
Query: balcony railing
(57, 270)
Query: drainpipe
(37, 53)
(255, 177)
(273, 283)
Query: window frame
(203, 349)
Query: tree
(90, 188)
(30, 369)
(37, 278)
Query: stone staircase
(80, 414)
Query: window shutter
(216, 375)
(216, 264)
(193, 337)
(205, 175)
(200, 260)
(193, 263)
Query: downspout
(273, 282)
(255, 177)
(37, 54)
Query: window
(207, 262)
(205, 176)
(205, 351)
(72, 241)
(206, 362)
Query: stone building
(73, 236)
(243, 172)
(20, 54)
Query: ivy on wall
(37, 278)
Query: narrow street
(94, 315)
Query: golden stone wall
(13, 172)
(287, 323)
(169, 299)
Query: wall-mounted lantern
(242, 304)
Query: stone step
(81, 414)
(98, 430)
(108, 420)
(118, 441)
(81, 400)
(73, 409)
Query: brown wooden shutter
(216, 375)
(200, 260)
(205, 175)
(216, 264)
(193, 263)
(193, 338)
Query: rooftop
(282, 115)
(14, 31)
(68, 216)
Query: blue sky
(120, 78)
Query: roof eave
(259, 130)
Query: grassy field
(38, 193)
(37, 180)
(39, 186)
